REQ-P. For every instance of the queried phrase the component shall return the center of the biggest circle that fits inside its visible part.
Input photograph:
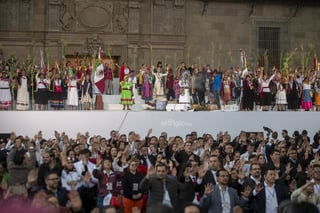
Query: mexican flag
(99, 79)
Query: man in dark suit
(210, 176)
(162, 189)
(222, 198)
(255, 176)
(269, 196)
(191, 194)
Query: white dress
(5, 94)
(23, 95)
(184, 98)
(158, 88)
(72, 99)
(281, 97)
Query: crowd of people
(71, 85)
(253, 172)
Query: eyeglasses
(53, 179)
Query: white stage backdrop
(174, 123)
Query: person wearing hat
(126, 93)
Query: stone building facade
(147, 31)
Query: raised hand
(246, 192)
(202, 171)
(151, 171)
(208, 188)
(258, 187)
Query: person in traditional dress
(42, 94)
(265, 92)
(73, 99)
(293, 93)
(317, 94)
(158, 87)
(306, 100)
(108, 75)
(23, 91)
(147, 86)
(133, 80)
(225, 89)
(57, 100)
(281, 96)
(184, 84)
(124, 70)
(5, 94)
(176, 87)
(86, 93)
(170, 85)
(126, 93)
(248, 93)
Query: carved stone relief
(94, 14)
(93, 44)
(168, 17)
(120, 19)
(67, 16)
(3, 14)
(25, 14)
(134, 17)
(53, 15)
(13, 9)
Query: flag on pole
(315, 62)
(42, 64)
(99, 55)
(99, 79)
(243, 60)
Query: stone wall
(146, 31)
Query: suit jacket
(212, 202)
(187, 195)
(208, 178)
(156, 190)
(260, 198)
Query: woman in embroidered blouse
(5, 94)
(265, 93)
(72, 100)
(57, 101)
(158, 84)
(86, 94)
(23, 91)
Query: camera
(267, 129)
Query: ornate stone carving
(93, 44)
(53, 15)
(134, 17)
(168, 19)
(159, 2)
(120, 20)
(66, 18)
(94, 14)
(179, 3)
(13, 14)
(25, 14)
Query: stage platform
(174, 123)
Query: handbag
(116, 201)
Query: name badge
(109, 186)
